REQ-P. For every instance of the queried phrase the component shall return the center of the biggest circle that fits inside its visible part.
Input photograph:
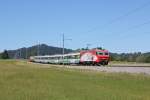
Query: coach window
(45, 58)
(69, 57)
(49, 57)
(99, 53)
(65, 57)
(77, 56)
(73, 57)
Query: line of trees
(4, 55)
(131, 57)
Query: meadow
(21, 80)
(125, 64)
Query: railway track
(137, 69)
(117, 69)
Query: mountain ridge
(42, 49)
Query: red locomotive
(94, 57)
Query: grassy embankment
(133, 64)
(25, 81)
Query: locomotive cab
(102, 57)
(94, 57)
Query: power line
(131, 28)
(26, 53)
(63, 51)
(20, 53)
(137, 26)
(130, 12)
(123, 16)
(87, 46)
(38, 49)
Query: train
(84, 57)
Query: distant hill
(42, 49)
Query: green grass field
(133, 64)
(20, 80)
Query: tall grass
(20, 80)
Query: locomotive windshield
(102, 53)
(106, 53)
(99, 53)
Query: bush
(5, 55)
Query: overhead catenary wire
(119, 19)
(132, 28)
(120, 34)
(122, 16)
(130, 13)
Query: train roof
(101, 50)
(59, 55)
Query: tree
(0, 55)
(5, 55)
(148, 59)
(100, 48)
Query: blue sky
(24, 23)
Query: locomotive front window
(106, 53)
(99, 53)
